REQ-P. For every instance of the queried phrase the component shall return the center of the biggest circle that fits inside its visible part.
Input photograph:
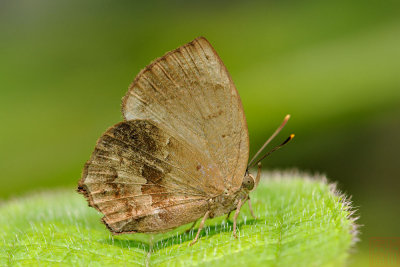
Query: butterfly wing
(143, 179)
(190, 92)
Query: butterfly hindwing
(142, 178)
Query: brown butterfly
(180, 154)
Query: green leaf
(301, 221)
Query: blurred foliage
(300, 222)
(333, 65)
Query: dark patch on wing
(215, 114)
(116, 190)
(140, 134)
(152, 174)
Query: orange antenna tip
(287, 140)
(272, 150)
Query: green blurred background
(333, 65)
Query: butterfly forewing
(190, 93)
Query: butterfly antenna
(285, 120)
(273, 150)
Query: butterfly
(180, 154)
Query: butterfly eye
(248, 182)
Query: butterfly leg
(191, 227)
(251, 209)
(258, 173)
(239, 205)
(227, 216)
(200, 228)
(257, 181)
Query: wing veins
(207, 99)
(178, 182)
(162, 207)
(174, 189)
(166, 162)
(136, 196)
(172, 114)
(167, 109)
(174, 57)
(189, 51)
(177, 86)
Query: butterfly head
(249, 182)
